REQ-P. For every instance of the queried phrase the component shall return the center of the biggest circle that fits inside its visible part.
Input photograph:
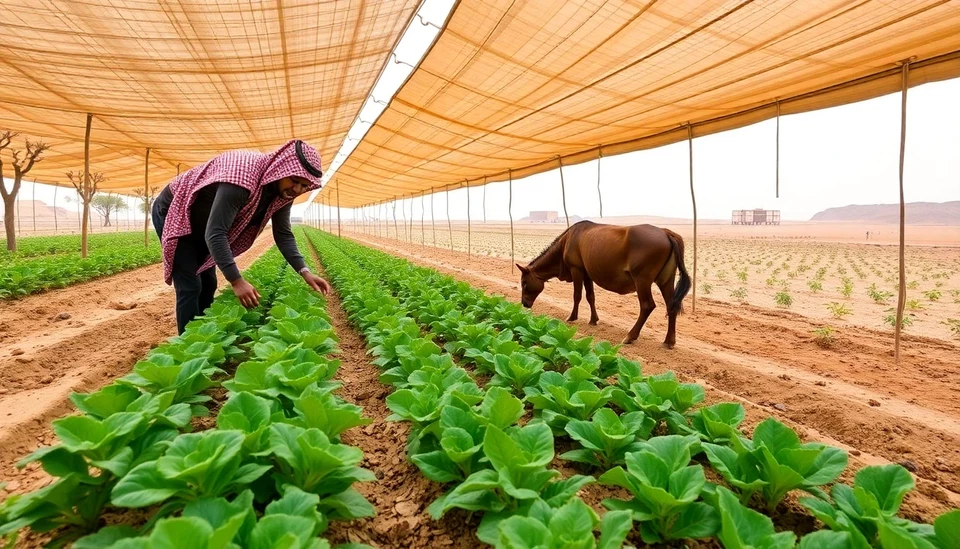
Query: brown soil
(401, 494)
(112, 323)
(853, 395)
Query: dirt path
(112, 322)
(401, 494)
(852, 395)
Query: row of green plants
(273, 472)
(467, 436)
(639, 432)
(21, 276)
(35, 246)
(133, 420)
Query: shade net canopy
(189, 78)
(512, 88)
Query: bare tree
(86, 187)
(21, 167)
(106, 204)
(146, 204)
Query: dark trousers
(195, 292)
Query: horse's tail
(683, 285)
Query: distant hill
(918, 213)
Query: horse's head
(530, 286)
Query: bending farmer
(213, 213)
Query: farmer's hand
(248, 295)
(316, 282)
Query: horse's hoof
(571, 319)
(594, 322)
(668, 345)
(627, 341)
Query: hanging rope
(563, 192)
(513, 258)
(778, 148)
(902, 291)
(693, 199)
(599, 194)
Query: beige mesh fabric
(513, 85)
(187, 78)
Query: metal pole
(563, 192)
(693, 199)
(449, 225)
(513, 258)
(468, 218)
(599, 194)
(902, 293)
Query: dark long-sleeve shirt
(212, 214)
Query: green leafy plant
(914, 305)
(745, 528)
(823, 336)
(815, 286)
(571, 525)
(516, 371)
(665, 490)
(877, 295)
(742, 275)
(607, 438)
(783, 299)
(932, 295)
(558, 398)
(718, 423)
(890, 319)
(775, 462)
(738, 293)
(658, 396)
(846, 287)
(868, 507)
(706, 287)
(953, 324)
(839, 310)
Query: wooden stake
(902, 292)
(84, 224)
(449, 225)
(693, 199)
(513, 258)
(146, 198)
(599, 194)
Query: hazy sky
(834, 157)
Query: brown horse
(618, 259)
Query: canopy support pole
(778, 149)
(902, 293)
(693, 200)
(484, 200)
(449, 225)
(339, 234)
(563, 191)
(423, 212)
(411, 219)
(396, 230)
(433, 219)
(599, 194)
(84, 224)
(469, 231)
(513, 258)
(146, 198)
(55, 227)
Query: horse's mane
(554, 243)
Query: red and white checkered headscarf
(248, 169)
